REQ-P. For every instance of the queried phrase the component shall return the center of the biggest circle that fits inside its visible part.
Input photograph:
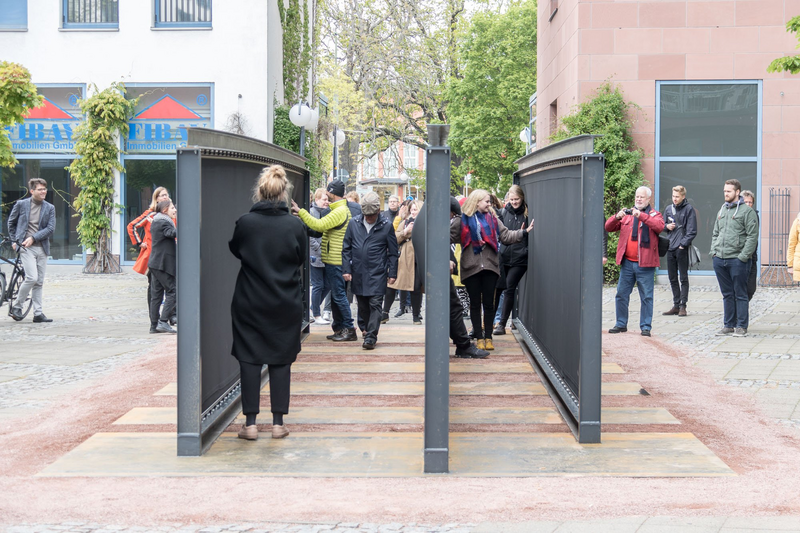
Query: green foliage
(488, 106)
(607, 114)
(287, 135)
(106, 114)
(295, 21)
(789, 64)
(17, 95)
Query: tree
(17, 96)
(488, 105)
(606, 114)
(789, 64)
(107, 114)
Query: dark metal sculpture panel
(560, 298)
(216, 179)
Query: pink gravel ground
(765, 456)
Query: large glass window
(91, 13)
(142, 177)
(390, 163)
(707, 133)
(410, 157)
(13, 14)
(182, 13)
(61, 192)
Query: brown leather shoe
(248, 432)
(682, 311)
(673, 311)
(278, 432)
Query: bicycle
(8, 292)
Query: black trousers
(370, 309)
(678, 269)
(416, 301)
(513, 276)
(752, 278)
(162, 287)
(481, 293)
(149, 290)
(280, 378)
(458, 331)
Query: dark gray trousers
(280, 377)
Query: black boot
(347, 334)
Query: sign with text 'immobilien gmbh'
(49, 129)
(163, 114)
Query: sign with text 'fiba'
(50, 129)
(163, 114)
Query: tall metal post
(303, 141)
(335, 170)
(437, 302)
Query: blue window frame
(707, 132)
(13, 15)
(90, 14)
(182, 13)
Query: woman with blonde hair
(513, 257)
(406, 268)
(793, 251)
(480, 233)
(145, 242)
(267, 306)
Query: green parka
(735, 232)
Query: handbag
(663, 245)
(694, 256)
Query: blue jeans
(499, 312)
(629, 273)
(318, 289)
(342, 318)
(732, 277)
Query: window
(182, 13)
(142, 177)
(91, 13)
(706, 133)
(13, 15)
(410, 157)
(390, 163)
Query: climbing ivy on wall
(107, 114)
(295, 21)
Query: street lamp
(301, 116)
(338, 137)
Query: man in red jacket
(637, 257)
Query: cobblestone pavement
(100, 323)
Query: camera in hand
(409, 220)
(628, 211)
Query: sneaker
(321, 321)
(615, 329)
(724, 332)
(153, 329)
(740, 332)
(384, 318)
(347, 334)
(471, 352)
(400, 312)
(326, 316)
(645, 333)
(164, 327)
(369, 344)
(673, 311)
(41, 318)
(248, 432)
(279, 432)
(312, 320)
(499, 330)
(16, 314)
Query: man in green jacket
(733, 241)
(333, 226)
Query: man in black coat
(681, 227)
(369, 262)
(162, 266)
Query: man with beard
(637, 257)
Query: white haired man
(637, 257)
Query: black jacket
(370, 258)
(162, 248)
(514, 254)
(267, 305)
(390, 215)
(685, 224)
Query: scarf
(645, 233)
(162, 216)
(518, 211)
(479, 230)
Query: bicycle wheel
(2, 287)
(13, 289)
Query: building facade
(391, 171)
(710, 111)
(191, 63)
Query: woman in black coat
(513, 257)
(267, 306)
(162, 266)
